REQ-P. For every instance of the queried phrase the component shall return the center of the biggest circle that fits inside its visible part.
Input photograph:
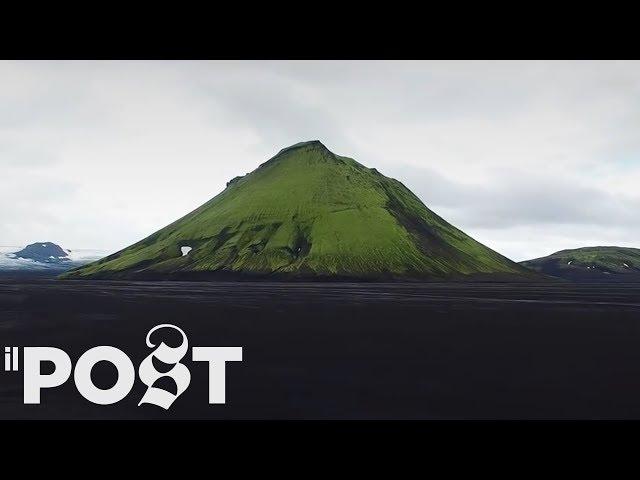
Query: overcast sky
(527, 157)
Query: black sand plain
(548, 350)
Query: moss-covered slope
(306, 213)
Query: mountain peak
(310, 144)
(301, 151)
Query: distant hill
(590, 264)
(43, 259)
(308, 213)
(45, 252)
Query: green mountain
(310, 214)
(590, 264)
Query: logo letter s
(179, 373)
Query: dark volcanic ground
(345, 350)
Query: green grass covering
(307, 212)
(605, 259)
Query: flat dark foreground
(345, 350)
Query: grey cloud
(512, 199)
(528, 156)
(271, 107)
(18, 155)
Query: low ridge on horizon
(594, 264)
(307, 213)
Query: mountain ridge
(594, 264)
